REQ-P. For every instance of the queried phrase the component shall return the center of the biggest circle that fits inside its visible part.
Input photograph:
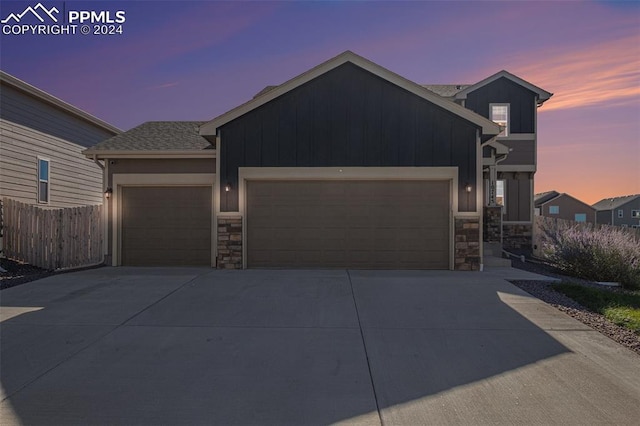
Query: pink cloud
(607, 74)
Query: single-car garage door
(166, 226)
(348, 224)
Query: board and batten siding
(522, 113)
(74, 179)
(21, 108)
(348, 117)
(522, 110)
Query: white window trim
(620, 213)
(635, 214)
(507, 130)
(48, 181)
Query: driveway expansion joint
(364, 346)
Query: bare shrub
(602, 254)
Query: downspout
(105, 214)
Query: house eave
(542, 94)
(58, 103)
(99, 155)
(488, 127)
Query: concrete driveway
(200, 346)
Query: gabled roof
(543, 197)
(45, 97)
(543, 95)
(155, 136)
(488, 126)
(614, 203)
(446, 90)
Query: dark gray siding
(521, 100)
(603, 217)
(568, 208)
(348, 117)
(523, 152)
(518, 197)
(21, 108)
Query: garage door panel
(365, 224)
(166, 226)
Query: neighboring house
(563, 206)
(619, 211)
(347, 165)
(41, 139)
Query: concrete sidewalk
(200, 346)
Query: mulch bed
(19, 273)
(543, 291)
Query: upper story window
(635, 214)
(43, 180)
(580, 217)
(554, 209)
(499, 114)
(620, 213)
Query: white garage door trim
(348, 173)
(152, 179)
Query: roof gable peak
(542, 94)
(488, 127)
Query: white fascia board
(488, 126)
(210, 153)
(543, 95)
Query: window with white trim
(620, 213)
(635, 214)
(554, 209)
(43, 180)
(580, 217)
(501, 198)
(499, 114)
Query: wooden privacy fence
(52, 238)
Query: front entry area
(362, 224)
(166, 226)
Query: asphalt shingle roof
(157, 136)
(614, 203)
(543, 197)
(446, 90)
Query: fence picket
(52, 238)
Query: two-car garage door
(348, 224)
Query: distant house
(41, 139)
(563, 206)
(619, 211)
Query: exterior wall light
(468, 187)
(108, 192)
(227, 187)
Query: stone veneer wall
(517, 236)
(467, 244)
(492, 224)
(229, 243)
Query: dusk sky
(194, 60)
